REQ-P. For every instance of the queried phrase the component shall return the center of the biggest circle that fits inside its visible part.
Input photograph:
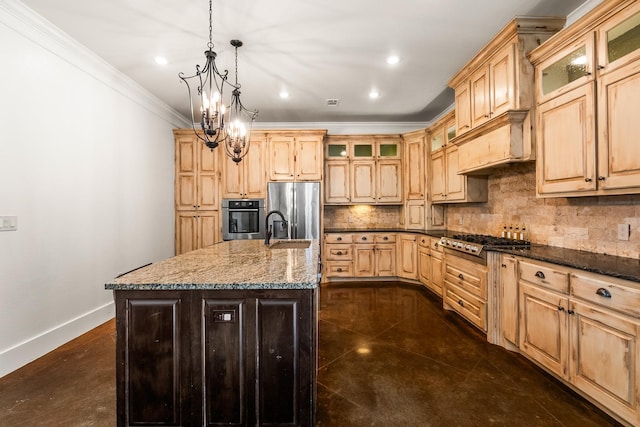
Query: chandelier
(221, 123)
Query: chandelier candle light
(235, 132)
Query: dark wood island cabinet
(225, 335)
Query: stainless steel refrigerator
(299, 202)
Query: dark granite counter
(623, 268)
(237, 264)
(609, 265)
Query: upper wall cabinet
(494, 94)
(588, 94)
(295, 155)
(247, 179)
(445, 183)
(363, 169)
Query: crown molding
(26, 22)
(581, 10)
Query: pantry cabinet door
(618, 146)
(208, 178)
(186, 172)
(186, 238)
(566, 143)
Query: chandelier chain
(210, 44)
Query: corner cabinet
(363, 169)
(587, 88)
(197, 180)
(295, 155)
(216, 357)
(447, 186)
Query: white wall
(86, 163)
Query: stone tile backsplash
(583, 223)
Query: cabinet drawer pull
(339, 253)
(339, 270)
(364, 238)
(460, 276)
(461, 303)
(423, 240)
(540, 274)
(339, 239)
(385, 238)
(603, 292)
(504, 265)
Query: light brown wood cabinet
(407, 255)
(196, 230)
(374, 255)
(598, 54)
(296, 155)
(196, 173)
(197, 220)
(363, 169)
(446, 185)
(247, 179)
(509, 307)
(584, 328)
(414, 162)
(430, 263)
(497, 81)
(465, 289)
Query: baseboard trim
(27, 351)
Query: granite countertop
(609, 265)
(236, 264)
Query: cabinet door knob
(460, 276)
(601, 178)
(560, 308)
(603, 293)
(461, 303)
(600, 67)
(587, 73)
(587, 180)
(571, 312)
(540, 275)
(504, 265)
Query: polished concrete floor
(389, 356)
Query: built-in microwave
(243, 219)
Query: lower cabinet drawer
(470, 307)
(609, 292)
(338, 269)
(543, 274)
(339, 252)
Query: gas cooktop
(475, 243)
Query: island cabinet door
(152, 333)
(222, 375)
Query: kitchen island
(222, 335)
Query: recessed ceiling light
(284, 94)
(161, 60)
(374, 94)
(393, 59)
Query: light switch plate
(624, 230)
(8, 223)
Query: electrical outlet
(624, 230)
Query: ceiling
(313, 49)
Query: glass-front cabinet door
(566, 70)
(619, 40)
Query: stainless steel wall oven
(243, 219)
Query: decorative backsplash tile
(362, 216)
(583, 223)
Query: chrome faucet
(269, 227)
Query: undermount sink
(290, 244)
